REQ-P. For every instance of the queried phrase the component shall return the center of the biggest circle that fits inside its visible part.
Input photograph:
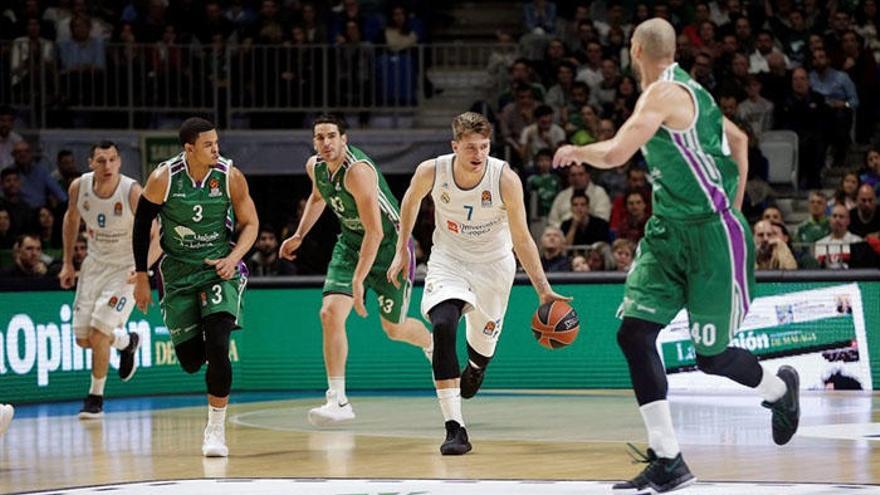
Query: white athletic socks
(216, 415)
(450, 404)
(336, 385)
(771, 388)
(661, 434)
(97, 387)
(122, 339)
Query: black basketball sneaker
(471, 379)
(127, 361)
(456, 442)
(93, 407)
(660, 476)
(786, 410)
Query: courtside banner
(829, 331)
(821, 332)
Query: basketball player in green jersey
(697, 251)
(200, 198)
(347, 179)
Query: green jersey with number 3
(340, 200)
(197, 218)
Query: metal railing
(135, 86)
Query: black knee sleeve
(191, 354)
(637, 339)
(478, 360)
(737, 364)
(444, 322)
(218, 327)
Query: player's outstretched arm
(419, 187)
(69, 229)
(246, 221)
(651, 111)
(311, 213)
(523, 244)
(148, 207)
(739, 150)
(362, 182)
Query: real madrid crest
(444, 197)
(486, 199)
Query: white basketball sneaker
(332, 412)
(6, 414)
(215, 441)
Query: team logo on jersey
(204, 298)
(113, 301)
(452, 226)
(117, 209)
(444, 197)
(86, 205)
(491, 329)
(214, 185)
(486, 199)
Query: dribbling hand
(565, 156)
(551, 296)
(399, 266)
(289, 247)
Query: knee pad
(477, 360)
(737, 364)
(638, 341)
(191, 354)
(637, 336)
(444, 320)
(218, 378)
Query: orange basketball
(555, 324)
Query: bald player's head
(655, 38)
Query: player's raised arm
(362, 182)
(523, 244)
(69, 229)
(419, 187)
(651, 111)
(148, 207)
(246, 222)
(311, 213)
(739, 150)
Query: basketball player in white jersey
(105, 200)
(480, 222)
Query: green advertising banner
(281, 347)
(156, 147)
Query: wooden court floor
(517, 435)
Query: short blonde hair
(656, 37)
(471, 123)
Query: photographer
(771, 250)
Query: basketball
(555, 324)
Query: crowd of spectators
(182, 54)
(805, 66)
(808, 67)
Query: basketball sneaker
(6, 414)
(456, 442)
(471, 379)
(127, 361)
(786, 410)
(93, 407)
(214, 444)
(660, 476)
(331, 412)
